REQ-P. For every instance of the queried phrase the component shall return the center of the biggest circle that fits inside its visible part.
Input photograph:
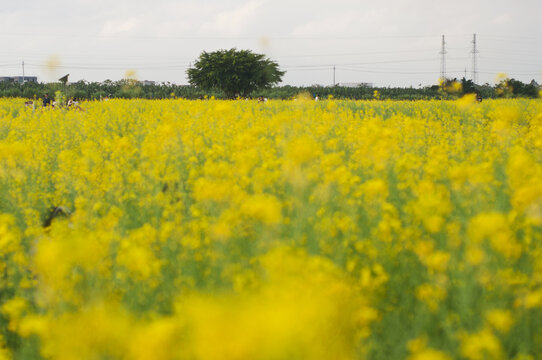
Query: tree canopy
(235, 72)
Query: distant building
(147, 82)
(19, 79)
(355, 85)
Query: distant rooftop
(19, 79)
(356, 84)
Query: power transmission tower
(443, 53)
(23, 71)
(474, 51)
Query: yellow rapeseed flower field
(178, 229)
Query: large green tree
(235, 72)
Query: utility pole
(333, 75)
(443, 60)
(23, 71)
(474, 51)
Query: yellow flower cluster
(178, 229)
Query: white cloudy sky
(386, 42)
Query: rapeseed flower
(302, 229)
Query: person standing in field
(73, 103)
(46, 100)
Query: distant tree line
(130, 89)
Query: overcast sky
(387, 43)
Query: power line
(312, 69)
(88, 55)
(392, 71)
(358, 53)
(511, 38)
(111, 67)
(516, 52)
(365, 63)
(508, 62)
(203, 37)
(165, 65)
(494, 72)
